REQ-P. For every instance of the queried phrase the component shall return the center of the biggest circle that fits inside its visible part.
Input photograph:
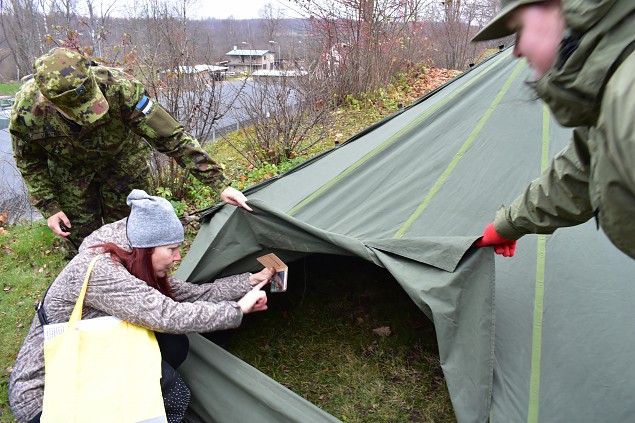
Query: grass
(30, 262)
(346, 337)
(9, 89)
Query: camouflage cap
(63, 76)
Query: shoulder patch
(145, 105)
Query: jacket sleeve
(224, 289)
(558, 198)
(116, 292)
(151, 121)
(32, 162)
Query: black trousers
(176, 395)
(173, 348)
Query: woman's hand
(263, 276)
(235, 198)
(255, 300)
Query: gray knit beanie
(152, 221)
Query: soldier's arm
(151, 121)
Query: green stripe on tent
(544, 162)
(389, 141)
(446, 173)
(536, 343)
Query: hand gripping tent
(545, 336)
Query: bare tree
(184, 80)
(97, 23)
(23, 28)
(452, 24)
(361, 42)
(289, 114)
(34, 26)
(272, 21)
(230, 29)
(64, 11)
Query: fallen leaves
(420, 83)
(3, 220)
(382, 331)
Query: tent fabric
(455, 303)
(239, 392)
(520, 339)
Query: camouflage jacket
(47, 145)
(113, 291)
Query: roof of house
(236, 52)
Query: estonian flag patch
(144, 105)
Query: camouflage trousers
(89, 204)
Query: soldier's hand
(56, 221)
(235, 198)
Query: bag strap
(76, 315)
(39, 308)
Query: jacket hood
(581, 15)
(597, 33)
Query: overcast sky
(242, 9)
(219, 9)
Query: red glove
(504, 246)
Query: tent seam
(389, 141)
(459, 155)
(536, 342)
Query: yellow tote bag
(101, 370)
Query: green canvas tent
(545, 336)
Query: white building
(249, 61)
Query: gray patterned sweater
(113, 291)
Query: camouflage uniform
(82, 135)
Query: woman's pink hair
(139, 263)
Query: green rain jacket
(592, 88)
(49, 148)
